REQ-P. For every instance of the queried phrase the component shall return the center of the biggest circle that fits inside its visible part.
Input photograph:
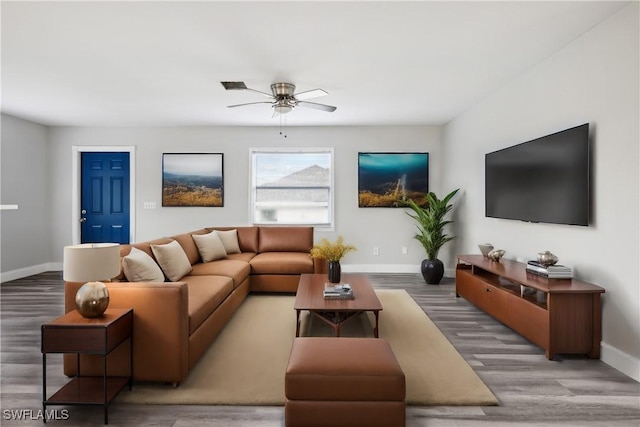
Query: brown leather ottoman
(343, 382)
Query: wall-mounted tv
(543, 180)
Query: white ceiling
(382, 63)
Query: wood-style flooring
(533, 391)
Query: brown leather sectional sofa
(175, 322)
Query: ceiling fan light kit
(282, 108)
(284, 98)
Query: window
(292, 186)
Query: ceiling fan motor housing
(283, 90)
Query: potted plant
(333, 252)
(431, 223)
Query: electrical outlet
(405, 250)
(376, 250)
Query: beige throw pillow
(138, 266)
(172, 260)
(210, 246)
(230, 241)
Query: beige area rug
(246, 363)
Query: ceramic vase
(432, 271)
(334, 271)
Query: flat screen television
(543, 180)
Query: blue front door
(105, 198)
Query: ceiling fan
(283, 97)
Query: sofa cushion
(189, 246)
(206, 293)
(236, 270)
(172, 260)
(143, 246)
(138, 266)
(210, 246)
(285, 239)
(247, 237)
(242, 256)
(282, 263)
(230, 240)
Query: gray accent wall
(24, 169)
(592, 80)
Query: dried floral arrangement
(332, 252)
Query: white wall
(24, 168)
(593, 79)
(388, 229)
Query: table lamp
(91, 262)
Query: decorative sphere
(92, 299)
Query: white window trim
(252, 180)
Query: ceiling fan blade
(242, 86)
(315, 93)
(248, 103)
(317, 106)
(268, 95)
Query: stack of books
(550, 271)
(342, 291)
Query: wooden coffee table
(335, 312)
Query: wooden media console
(559, 315)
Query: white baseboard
(623, 362)
(8, 276)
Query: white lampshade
(91, 262)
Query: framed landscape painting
(192, 179)
(386, 179)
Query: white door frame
(76, 179)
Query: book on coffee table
(342, 291)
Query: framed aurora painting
(386, 179)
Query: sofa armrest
(160, 330)
(320, 266)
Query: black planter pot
(334, 272)
(432, 271)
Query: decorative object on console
(485, 248)
(90, 262)
(549, 271)
(333, 253)
(430, 223)
(496, 254)
(546, 258)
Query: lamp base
(92, 299)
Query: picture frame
(192, 179)
(386, 179)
